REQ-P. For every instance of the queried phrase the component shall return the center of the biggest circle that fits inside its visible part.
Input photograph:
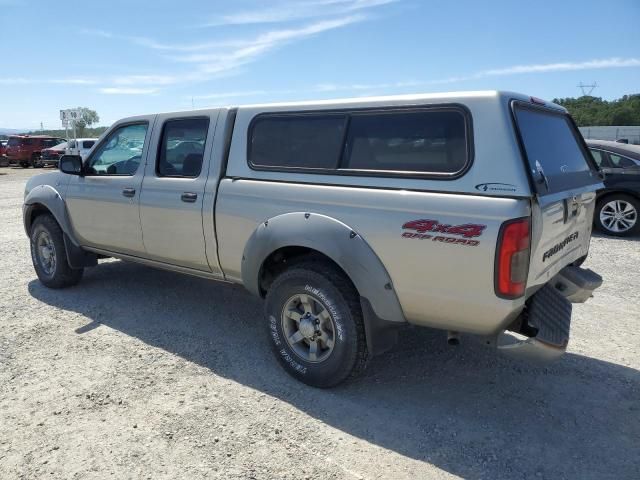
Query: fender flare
(343, 245)
(48, 197)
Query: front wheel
(49, 255)
(315, 324)
(618, 215)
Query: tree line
(591, 111)
(587, 111)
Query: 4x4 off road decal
(425, 230)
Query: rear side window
(619, 161)
(426, 141)
(556, 158)
(182, 147)
(297, 141)
(13, 142)
(88, 143)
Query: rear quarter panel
(442, 280)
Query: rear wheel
(49, 255)
(36, 161)
(315, 324)
(617, 215)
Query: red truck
(26, 150)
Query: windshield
(556, 158)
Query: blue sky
(130, 57)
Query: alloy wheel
(308, 328)
(618, 216)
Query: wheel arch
(301, 235)
(45, 199)
(608, 193)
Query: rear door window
(556, 159)
(618, 161)
(182, 147)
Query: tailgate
(566, 181)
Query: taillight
(512, 258)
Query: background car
(4, 162)
(618, 204)
(51, 156)
(80, 146)
(25, 150)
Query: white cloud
(214, 59)
(127, 91)
(222, 95)
(73, 81)
(248, 51)
(16, 81)
(289, 11)
(607, 63)
(614, 62)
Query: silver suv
(466, 212)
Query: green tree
(594, 111)
(87, 118)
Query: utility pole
(41, 128)
(587, 89)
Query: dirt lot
(138, 373)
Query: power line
(587, 89)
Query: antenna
(587, 89)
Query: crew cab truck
(466, 212)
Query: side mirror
(71, 164)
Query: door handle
(129, 192)
(189, 197)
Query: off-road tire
(331, 289)
(634, 202)
(61, 275)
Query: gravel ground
(139, 373)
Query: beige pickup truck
(466, 212)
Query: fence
(632, 134)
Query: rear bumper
(546, 320)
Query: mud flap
(381, 335)
(547, 318)
(78, 257)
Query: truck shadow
(465, 410)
